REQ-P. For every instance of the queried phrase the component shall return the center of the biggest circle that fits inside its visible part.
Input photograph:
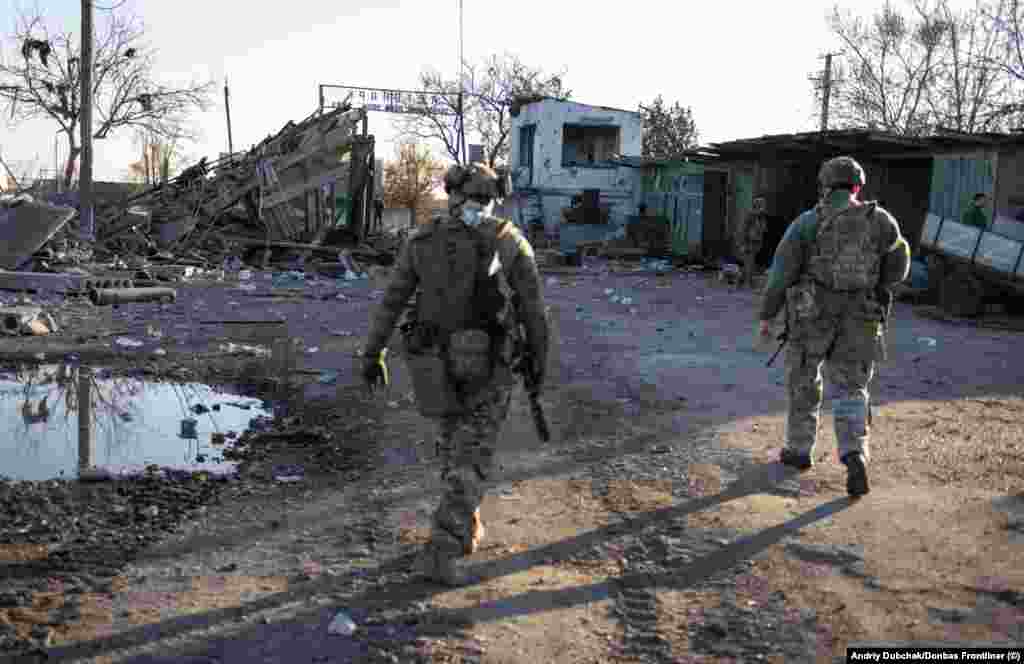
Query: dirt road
(655, 527)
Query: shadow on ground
(304, 633)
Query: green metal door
(955, 181)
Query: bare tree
(1007, 21)
(160, 157)
(440, 122)
(668, 131)
(410, 179)
(17, 176)
(935, 68)
(886, 69)
(490, 89)
(971, 91)
(42, 80)
(501, 81)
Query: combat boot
(795, 459)
(476, 536)
(856, 474)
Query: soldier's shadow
(759, 479)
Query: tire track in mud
(747, 622)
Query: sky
(742, 66)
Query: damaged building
(911, 177)
(563, 155)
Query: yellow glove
(375, 370)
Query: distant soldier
(750, 239)
(476, 285)
(975, 214)
(832, 270)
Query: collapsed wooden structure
(297, 186)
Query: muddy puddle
(58, 419)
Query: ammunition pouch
(470, 359)
(434, 389)
(803, 305)
(449, 373)
(420, 337)
(426, 360)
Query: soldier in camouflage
(467, 270)
(750, 239)
(828, 271)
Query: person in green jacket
(827, 270)
(975, 215)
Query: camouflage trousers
(849, 376)
(466, 446)
(748, 266)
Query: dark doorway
(715, 240)
(792, 190)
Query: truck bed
(992, 255)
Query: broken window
(589, 146)
(526, 135)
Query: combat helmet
(841, 172)
(474, 182)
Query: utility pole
(826, 82)
(227, 110)
(85, 175)
(462, 81)
(826, 91)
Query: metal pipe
(123, 295)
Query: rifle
(524, 366)
(782, 339)
(885, 298)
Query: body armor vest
(457, 289)
(846, 253)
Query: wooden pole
(85, 176)
(227, 111)
(826, 92)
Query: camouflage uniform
(443, 264)
(749, 242)
(826, 271)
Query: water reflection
(115, 420)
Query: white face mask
(473, 213)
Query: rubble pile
(268, 193)
(299, 200)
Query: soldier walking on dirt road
(477, 286)
(832, 270)
(749, 241)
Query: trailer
(969, 267)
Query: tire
(961, 295)
(1014, 305)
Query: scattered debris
(342, 625)
(27, 320)
(25, 226)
